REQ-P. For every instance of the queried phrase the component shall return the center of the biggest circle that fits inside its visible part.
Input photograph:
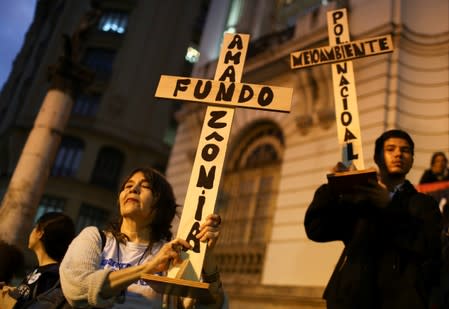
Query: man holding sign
(390, 231)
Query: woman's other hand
(210, 230)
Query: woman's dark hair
(165, 206)
(12, 261)
(437, 154)
(380, 141)
(59, 231)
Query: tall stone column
(30, 176)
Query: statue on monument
(68, 68)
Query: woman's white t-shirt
(139, 294)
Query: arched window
(108, 168)
(68, 157)
(247, 199)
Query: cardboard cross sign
(339, 53)
(223, 95)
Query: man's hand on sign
(341, 167)
(376, 193)
(372, 192)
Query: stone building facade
(275, 161)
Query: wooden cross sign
(339, 54)
(223, 95)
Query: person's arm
(119, 280)
(329, 217)
(85, 284)
(80, 275)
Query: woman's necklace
(121, 298)
(140, 259)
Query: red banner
(439, 190)
(433, 186)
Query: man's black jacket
(391, 257)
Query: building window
(86, 105)
(91, 216)
(49, 204)
(100, 61)
(68, 157)
(108, 168)
(113, 21)
(247, 199)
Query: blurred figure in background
(49, 241)
(438, 169)
(11, 262)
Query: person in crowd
(444, 283)
(11, 262)
(49, 241)
(139, 243)
(438, 169)
(391, 235)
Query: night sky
(15, 18)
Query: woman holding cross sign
(103, 269)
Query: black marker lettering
(192, 237)
(349, 135)
(234, 57)
(265, 97)
(210, 152)
(199, 207)
(346, 120)
(201, 94)
(206, 180)
(228, 73)
(245, 94)
(236, 41)
(212, 123)
(224, 94)
(215, 136)
(350, 152)
(181, 85)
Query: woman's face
(136, 199)
(439, 164)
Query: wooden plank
(209, 159)
(341, 52)
(226, 94)
(180, 287)
(345, 96)
(203, 186)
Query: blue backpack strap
(53, 298)
(103, 238)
